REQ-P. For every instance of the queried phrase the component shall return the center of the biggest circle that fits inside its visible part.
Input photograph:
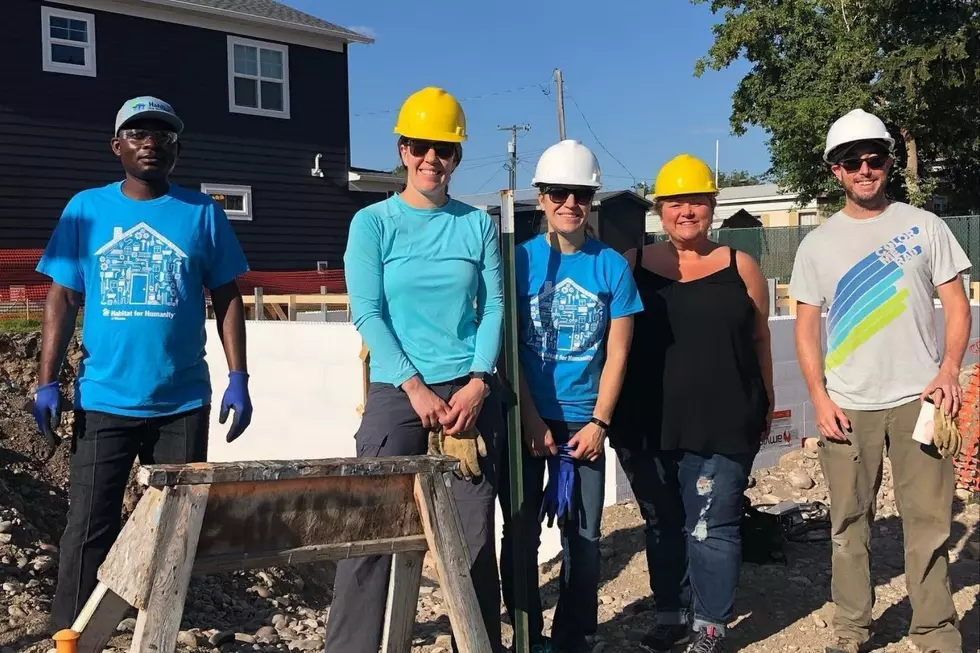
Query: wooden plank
(306, 554)
(259, 305)
(976, 291)
(333, 299)
(436, 505)
(278, 311)
(172, 561)
(98, 619)
(126, 570)
(403, 601)
(274, 470)
(291, 308)
(246, 518)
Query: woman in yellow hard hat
(424, 279)
(695, 407)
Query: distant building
(764, 202)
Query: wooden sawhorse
(210, 517)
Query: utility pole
(515, 465)
(561, 104)
(512, 149)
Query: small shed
(618, 217)
(742, 219)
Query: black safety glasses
(421, 148)
(559, 195)
(875, 162)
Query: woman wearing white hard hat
(423, 275)
(575, 302)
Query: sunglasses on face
(161, 136)
(875, 162)
(421, 148)
(559, 195)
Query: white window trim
(47, 64)
(227, 189)
(258, 111)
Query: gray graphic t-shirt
(876, 279)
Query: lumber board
(254, 518)
(335, 299)
(316, 553)
(403, 601)
(172, 561)
(98, 619)
(126, 569)
(275, 470)
(436, 508)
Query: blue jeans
(577, 612)
(692, 508)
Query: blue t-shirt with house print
(143, 267)
(565, 303)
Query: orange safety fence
(967, 463)
(22, 289)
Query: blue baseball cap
(147, 106)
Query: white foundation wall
(306, 383)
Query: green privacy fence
(775, 247)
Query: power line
(598, 140)
(484, 184)
(481, 96)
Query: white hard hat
(568, 163)
(856, 125)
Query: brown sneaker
(844, 646)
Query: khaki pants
(924, 494)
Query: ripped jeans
(692, 507)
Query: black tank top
(693, 379)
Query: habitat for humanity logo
(158, 106)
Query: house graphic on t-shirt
(565, 321)
(139, 266)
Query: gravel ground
(779, 608)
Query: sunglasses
(875, 162)
(558, 195)
(421, 148)
(161, 136)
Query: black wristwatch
(598, 422)
(483, 376)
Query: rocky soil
(780, 607)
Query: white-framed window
(67, 42)
(809, 218)
(235, 200)
(258, 77)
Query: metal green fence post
(514, 446)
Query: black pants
(390, 427)
(577, 612)
(103, 450)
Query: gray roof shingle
(272, 10)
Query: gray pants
(390, 427)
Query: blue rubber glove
(47, 411)
(558, 494)
(236, 397)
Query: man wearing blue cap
(141, 252)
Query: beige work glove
(946, 435)
(465, 447)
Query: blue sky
(627, 64)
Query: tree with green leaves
(913, 63)
(738, 178)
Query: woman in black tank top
(695, 404)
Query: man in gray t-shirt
(875, 267)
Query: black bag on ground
(763, 538)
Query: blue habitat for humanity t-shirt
(565, 303)
(143, 267)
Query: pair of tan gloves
(467, 446)
(946, 434)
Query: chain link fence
(775, 247)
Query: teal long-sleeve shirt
(425, 290)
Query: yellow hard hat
(684, 175)
(432, 114)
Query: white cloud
(365, 30)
